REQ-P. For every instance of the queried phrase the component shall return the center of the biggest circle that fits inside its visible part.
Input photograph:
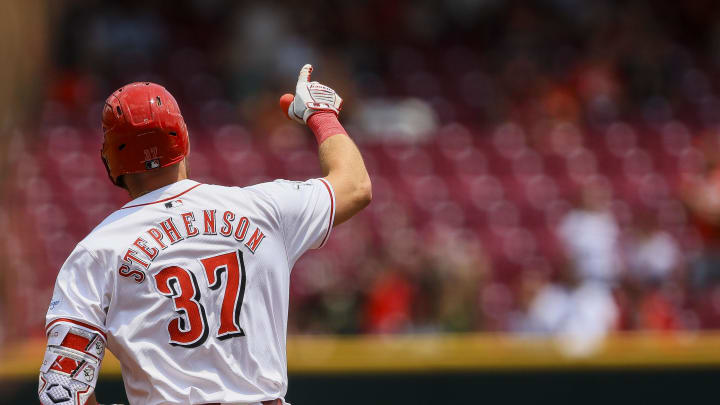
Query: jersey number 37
(190, 328)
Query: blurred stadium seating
(513, 120)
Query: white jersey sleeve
(82, 291)
(306, 210)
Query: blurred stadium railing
(634, 366)
(450, 353)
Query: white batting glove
(312, 97)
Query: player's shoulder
(106, 233)
(247, 194)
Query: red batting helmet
(143, 129)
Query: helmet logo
(151, 158)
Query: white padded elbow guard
(70, 368)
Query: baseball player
(188, 283)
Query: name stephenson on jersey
(132, 259)
(190, 283)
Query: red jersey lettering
(141, 244)
(242, 229)
(255, 240)
(228, 217)
(188, 218)
(168, 226)
(130, 256)
(209, 221)
(157, 236)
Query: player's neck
(143, 183)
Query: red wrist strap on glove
(324, 125)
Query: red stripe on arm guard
(75, 322)
(76, 342)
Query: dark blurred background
(545, 168)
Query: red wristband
(324, 125)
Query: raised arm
(318, 106)
(343, 167)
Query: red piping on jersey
(83, 324)
(164, 199)
(332, 212)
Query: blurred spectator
(654, 280)
(580, 313)
(701, 194)
(590, 235)
(390, 301)
(658, 309)
(652, 254)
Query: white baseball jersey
(190, 286)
